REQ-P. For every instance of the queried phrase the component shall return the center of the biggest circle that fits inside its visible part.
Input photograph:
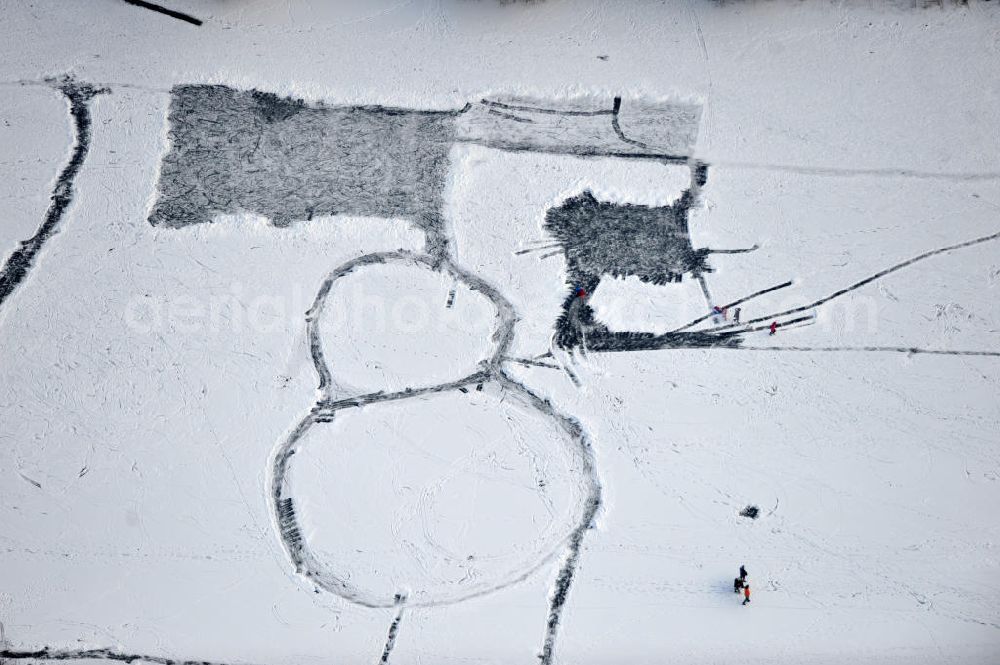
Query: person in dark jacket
(743, 573)
(737, 585)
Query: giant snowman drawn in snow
(247, 151)
(528, 468)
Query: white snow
(631, 304)
(462, 493)
(389, 327)
(36, 137)
(147, 375)
(496, 207)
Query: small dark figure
(774, 327)
(746, 593)
(736, 315)
(737, 585)
(743, 573)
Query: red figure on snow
(774, 327)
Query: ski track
(857, 285)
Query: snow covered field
(378, 331)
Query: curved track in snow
(328, 405)
(21, 261)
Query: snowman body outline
(327, 405)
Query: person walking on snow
(746, 593)
(774, 327)
(743, 573)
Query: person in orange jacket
(746, 592)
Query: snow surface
(35, 135)
(147, 375)
(457, 475)
(502, 239)
(389, 327)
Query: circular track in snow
(440, 497)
